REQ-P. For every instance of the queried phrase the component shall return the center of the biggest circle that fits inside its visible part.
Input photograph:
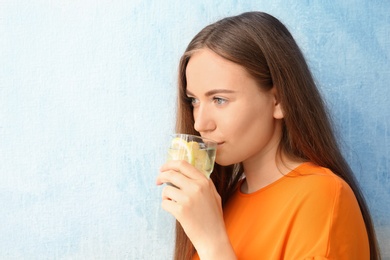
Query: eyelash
(217, 100)
(191, 100)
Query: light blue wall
(87, 93)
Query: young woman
(280, 188)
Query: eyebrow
(213, 92)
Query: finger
(171, 201)
(171, 193)
(170, 176)
(183, 167)
(163, 177)
(170, 206)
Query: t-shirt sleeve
(328, 223)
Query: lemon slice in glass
(196, 154)
(180, 150)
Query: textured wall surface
(87, 95)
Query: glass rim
(204, 139)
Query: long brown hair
(265, 48)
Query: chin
(225, 162)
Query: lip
(210, 138)
(218, 142)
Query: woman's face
(230, 108)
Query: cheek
(239, 131)
(246, 133)
(241, 122)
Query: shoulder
(317, 178)
(326, 211)
(321, 186)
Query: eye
(192, 101)
(219, 101)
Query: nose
(204, 121)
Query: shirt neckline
(289, 174)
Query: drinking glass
(198, 151)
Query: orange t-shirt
(308, 214)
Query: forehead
(205, 68)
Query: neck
(267, 166)
(261, 173)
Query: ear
(278, 110)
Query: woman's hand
(196, 204)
